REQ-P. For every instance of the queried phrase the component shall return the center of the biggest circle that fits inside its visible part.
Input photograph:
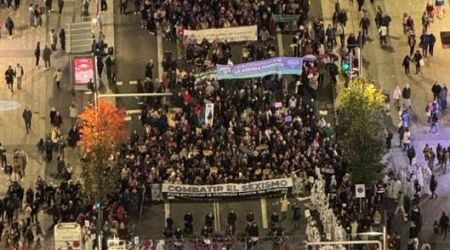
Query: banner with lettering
(272, 66)
(227, 190)
(235, 34)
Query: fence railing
(235, 243)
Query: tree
(360, 129)
(103, 129)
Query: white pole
(384, 238)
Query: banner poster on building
(227, 190)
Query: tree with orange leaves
(102, 130)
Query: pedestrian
(49, 149)
(9, 25)
(60, 6)
(405, 64)
(57, 77)
(37, 53)
(406, 139)
(38, 15)
(53, 39)
(296, 215)
(431, 42)
(360, 5)
(31, 16)
(9, 77)
(73, 114)
(103, 5)
(365, 24)
(434, 123)
(62, 39)
(85, 8)
(443, 224)
(443, 97)
(46, 52)
(406, 95)
(27, 115)
(48, 5)
(425, 22)
(411, 153)
(424, 43)
(386, 21)
(396, 95)
(123, 6)
(433, 186)
(100, 66)
(3, 160)
(436, 90)
(411, 43)
(19, 75)
(284, 207)
(149, 69)
(418, 60)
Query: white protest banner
(227, 190)
(209, 114)
(235, 34)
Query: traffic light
(345, 66)
(97, 206)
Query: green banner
(286, 18)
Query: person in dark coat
(411, 153)
(431, 42)
(9, 25)
(37, 53)
(100, 66)
(433, 186)
(73, 137)
(149, 69)
(9, 77)
(27, 114)
(443, 224)
(49, 149)
(62, 39)
(46, 52)
(231, 218)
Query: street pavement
(383, 65)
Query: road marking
(140, 103)
(127, 118)
(280, 44)
(159, 49)
(119, 83)
(133, 82)
(166, 210)
(8, 105)
(216, 213)
(264, 215)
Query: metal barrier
(235, 243)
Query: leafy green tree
(360, 129)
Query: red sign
(83, 69)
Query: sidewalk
(39, 92)
(384, 66)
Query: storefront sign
(235, 34)
(273, 66)
(227, 190)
